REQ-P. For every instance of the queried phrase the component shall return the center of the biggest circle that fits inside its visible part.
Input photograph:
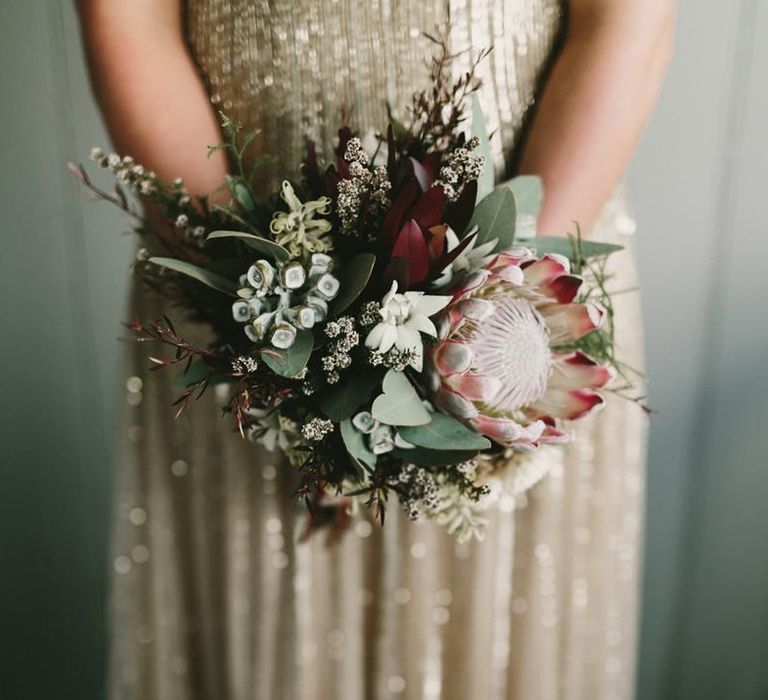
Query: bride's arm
(154, 104)
(595, 103)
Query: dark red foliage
(459, 213)
(411, 246)
(428, 209)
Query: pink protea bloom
(495, 365)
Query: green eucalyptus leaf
(399, 404)
(567, 247)
(290, 361)
(480, 129)
(433, 458)
(211, 279)
(342, 400)
(444, 433)
(528, 193)
(258, 243)
(354, 441)
(495, 219)
(243, 197)
(353, 278)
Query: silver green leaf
(570, 247)
(495, 219)
(445, 433)
(528, 193)
(399, 404)
(208, 278)
(290, 361)
(480, 129)
(258, 243)
(354, 441)
(353, 278)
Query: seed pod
(293, 275)
(283, 336)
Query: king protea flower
(496, 366)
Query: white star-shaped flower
(403, 318)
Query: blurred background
(698, 186)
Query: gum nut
(256, 304)
(306, 316)
(262, 323)
(283, 336)
(364, 422)
(243, 280)
(293, 275)
(245, 293)
(328, 286)
(261, 275)
(320, 311)
(381, 440)
(322, 260)
(251, 334)
(241, 311)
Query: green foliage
(258, 243)
(445, 433)
(528, 195)
(480, 129)
(495, 218)
(344, 399)
(211, 279)
(290, 361)
(354, 441)
(353, 278)
(399, 404)
(571, 247)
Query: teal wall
(698, 184)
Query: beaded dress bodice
(289, 68)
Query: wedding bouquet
(386, 321)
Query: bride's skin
(594, 105)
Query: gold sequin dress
(215, 597)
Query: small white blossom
(182, 221)
(403, 318)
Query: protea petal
(476, 309)
(553, 436)
(474, 387)
(576, 370)
(563, 288)
(452, 358)
(571, 405)
(569, 322)
(455, 404)
(545, 269)
(501, 430)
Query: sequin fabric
(215, 594)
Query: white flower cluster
(344, 338)
(316, 429)
(365, 187)
(461, 167)
(278, 301)
(126, 170)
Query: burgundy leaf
(431, 163)
(402, 202)
(460, 212)
(396, 270)
(428, 210)
(411, 245)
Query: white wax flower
(403, 318)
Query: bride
(215, 593)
